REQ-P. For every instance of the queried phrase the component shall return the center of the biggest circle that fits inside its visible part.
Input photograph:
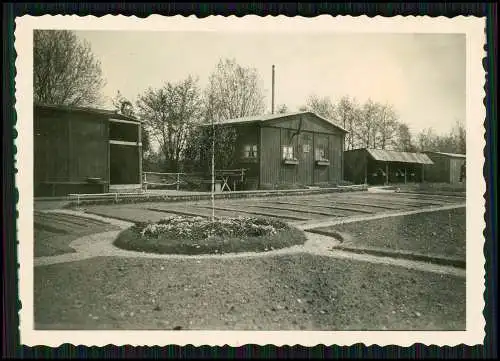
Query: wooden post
(405, 174)
(386, 173)
(178, 181)
(139, 150)
(423, 168)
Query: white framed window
(306, 148)
(321, 154)
(288, 152)
(250, 151)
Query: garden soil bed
(440, 233)
(54, 233)
(295, 292)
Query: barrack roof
(268, 117)
(395, 156)
(109, 113)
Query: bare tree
(169, 114)
(65, 71)
(124, 106)
(459, 135)
(321, 106)
(386, 126)
(426, 139)
(452, 142)
(367, 126)
(404, 142)
(233, 91)
(282, 109)
(347, 115)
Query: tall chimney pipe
(272, 97)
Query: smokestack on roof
(272, 96)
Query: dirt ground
(290, 292)
(440, 233)
(279, 292)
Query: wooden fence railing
(161, 179)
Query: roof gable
(100, 112)
(266, 119)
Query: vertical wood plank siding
(270, 165)
(336, 157)
(89, 149)
(455, 169)
(248, 135)
(355, 166)
(445, 168)
(274, 172)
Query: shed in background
(85, 150)
(447, 167)
(377, 166)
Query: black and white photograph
(180, 178)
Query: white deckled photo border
(472, 27)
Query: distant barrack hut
(85, 150)
(447, 167)
(376, 166)
(287, 150)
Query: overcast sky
(422, 75)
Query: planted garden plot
(129, 214)
(321, 208)
(54, 232)
(409, 196)
(189, 210)
(65, 221)
(411, 202)
(311, 212)
(334, 206)
(288, 216)
(437, 234)
(391, 203)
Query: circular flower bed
(197, 235)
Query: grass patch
(197, 235)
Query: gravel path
(101, 244)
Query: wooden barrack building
(288, 150)
(85, 150)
